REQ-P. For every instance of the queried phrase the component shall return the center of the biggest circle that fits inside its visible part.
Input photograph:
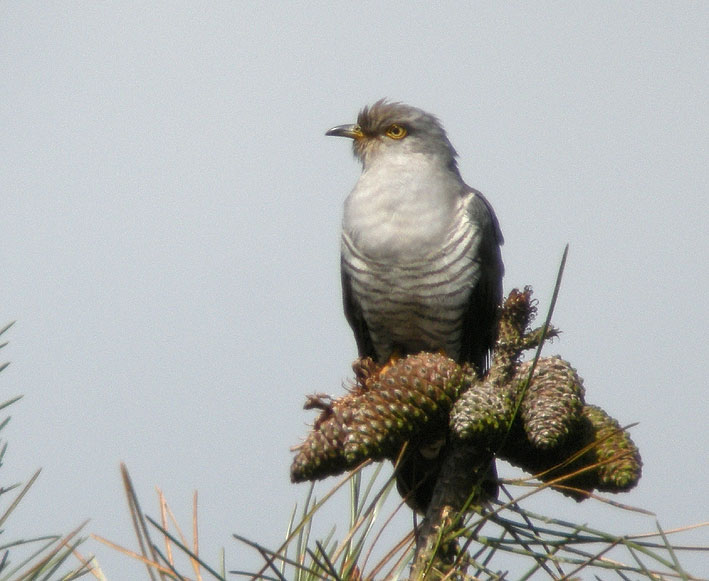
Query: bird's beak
(351, 131)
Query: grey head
(382, 127)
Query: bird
(421, 265)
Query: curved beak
(351, 131)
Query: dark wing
(481, 317)
(354, 316)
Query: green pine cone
(621, 465)
(414, 392)
(597, 455)
(554, 435)
(317, 457)
(381, 413)
(552, 403)
(483, 412)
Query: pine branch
(532, 414)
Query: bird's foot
(393, 360)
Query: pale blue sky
(170, 220)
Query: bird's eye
(396, 132)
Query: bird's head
(388, 128)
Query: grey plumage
(421, 265)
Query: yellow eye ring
(396, 132)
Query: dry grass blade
(591, 560)
(40, 568)
(139, 525)
(670, 549)
(9, 402)
(90, 564)
(271, 557)
(568, 539)
(184, 549)
(674, 532)
(150, 563)
(398, 547)
(405, 546)
(195, 536)
(19, 497)
(150, 555)
(167, 513)
(5, 328)
(163, 518)
(362, 516)
(306, 517)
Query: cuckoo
(420, 258)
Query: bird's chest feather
(407, 252)
(397, 218)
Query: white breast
(411, 274)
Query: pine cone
(383, 411)
(419, 398)
(621, 463)
(552, 402)
(483, 413)
(597, 439)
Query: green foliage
(489, 544)
(304, 558)
(40, 558)
(485, 542)
(541, 547)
